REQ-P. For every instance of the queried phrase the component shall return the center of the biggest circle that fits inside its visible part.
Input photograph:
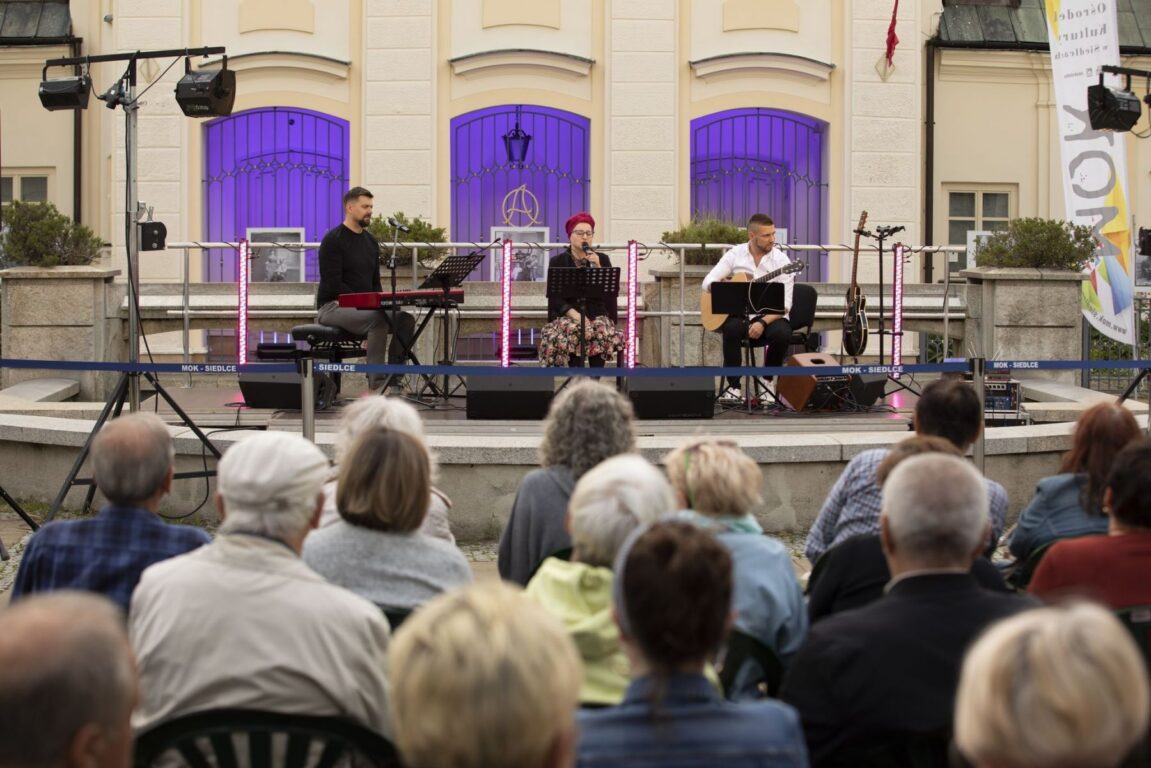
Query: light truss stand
(123, 94)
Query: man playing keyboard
(350, 263)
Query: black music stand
(448, 274)
(743, 299)
(579, 284)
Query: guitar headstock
(862, 220)
(794, 266)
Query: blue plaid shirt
(852, 507)
(104, 554)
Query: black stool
(328, 343)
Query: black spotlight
(207, 93)
(1112, 109)
(66, 92)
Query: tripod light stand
(123, 94)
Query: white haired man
(243, 622)
(875, 676)
(67, 683)
(132, 466)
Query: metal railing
(411, 270)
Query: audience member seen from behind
(870, 681)
(376, 550)
(482, 676)
(948, 408)
(391, 412)
(587, 423)
(717, 485)
(243, 622)
(1111, 569)
(1052, 688)
(67, 683)
(132, 466)
(609, 502)
(673, 592)
(854, 572)
(1070, 503)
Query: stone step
(53, 390)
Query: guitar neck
(769, 276)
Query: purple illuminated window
(555, 171)
(272, 167)
(746, 161)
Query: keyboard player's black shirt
(349, 263)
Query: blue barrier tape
(487, 370)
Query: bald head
(67, 683)
(132, 458)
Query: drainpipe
(929, 166)
(77, 143)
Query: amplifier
(1001, 395)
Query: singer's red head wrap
(583, 217)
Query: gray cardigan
(396, 570)
(535, 529)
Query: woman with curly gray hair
(587, 423)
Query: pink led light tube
(242, 305)
(632, 281)
(506, 305)
(897, 309)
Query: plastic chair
(273, 740)
(804, 299)
(747, 662)
(1137, 619)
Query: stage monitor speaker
(509, 397)
(814, 392)
(281, 391)
(672, 397)
(868, 389)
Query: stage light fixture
(1112, 109)
(66, 92)
(207, 93)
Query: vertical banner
(1083, 38)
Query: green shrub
(1039, 244)
(421, 232)
(706, 231)
(38, 235)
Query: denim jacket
(690, 727)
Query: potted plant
(38, 235)
(420, 231)
(1023, 297)
(702, 231)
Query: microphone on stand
(397, 225)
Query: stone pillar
(661, 334)
(1025, 314)
(58, 313)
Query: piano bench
(326, 342)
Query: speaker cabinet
(281, 391)
(814, 392)
(672, 397)
(867, 390)
(509, 397)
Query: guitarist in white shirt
(756, 258)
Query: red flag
(892, 38)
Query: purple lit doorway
(269, 168)
(555, 171)
(753, 160)
(276, 167)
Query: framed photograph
(276, 265)
(528, 263)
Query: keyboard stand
(448, 274)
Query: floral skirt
(559, 340)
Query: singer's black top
(349, 263)
(595, 307)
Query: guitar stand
(20, 511)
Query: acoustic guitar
(855, 317)
(714, 321)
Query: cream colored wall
(32, 139)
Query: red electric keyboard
(425, 298)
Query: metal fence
(1100, 347)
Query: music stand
(448, 274)
(742, 299)
(579, 284)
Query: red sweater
(1110, 569)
